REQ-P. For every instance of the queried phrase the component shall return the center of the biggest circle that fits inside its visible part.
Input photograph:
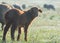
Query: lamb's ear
(40, 10)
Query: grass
(37, 35)
(43, 29)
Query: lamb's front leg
(19, 33)
(25, 31)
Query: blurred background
(40, 3)
(46, 27)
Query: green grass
(37, 35)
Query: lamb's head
(34, 11)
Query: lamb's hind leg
(5, 31)
(13, 28)
(2, 26)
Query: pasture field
(42, 30)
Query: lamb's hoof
(26, 40)
(3, 41)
